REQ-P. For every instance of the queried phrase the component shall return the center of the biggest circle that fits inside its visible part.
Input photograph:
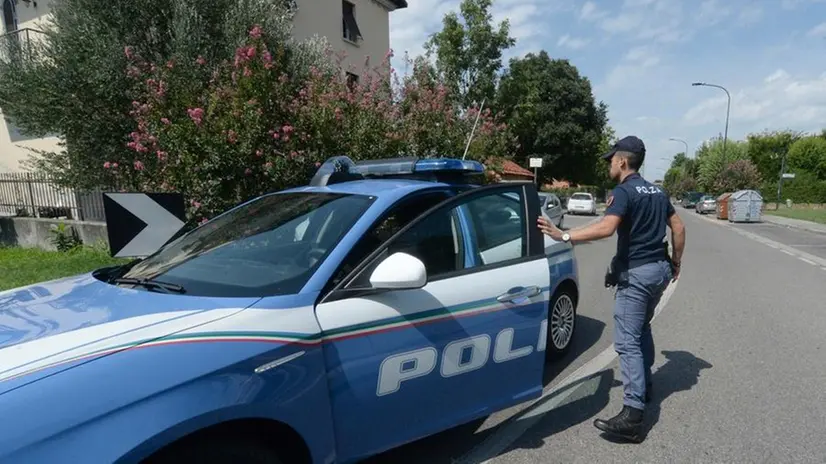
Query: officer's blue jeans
(633, 309)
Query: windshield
(270, 246)
(580, 196)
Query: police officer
(641, 270)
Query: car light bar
(342, 169)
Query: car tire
(561, 316)
(218, 452)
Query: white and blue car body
(382, 303)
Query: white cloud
(780, 101)
(793, 4)
(635, 64)
(780, 74)
(818, 31)
(712, 12)
(750, 15)
(573, 43)
(590, 12)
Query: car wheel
(561, 322)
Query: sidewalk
(796, 223)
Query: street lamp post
(674, 139)
(728, 108)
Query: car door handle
(518, 294)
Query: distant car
(582, 203)
(690, 199)
(705, 205)
(551, 206)
(386, 301)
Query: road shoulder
(796, 223)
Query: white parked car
(582, 203)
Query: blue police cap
(631, 144)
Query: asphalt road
(739, 375)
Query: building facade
(358, 27)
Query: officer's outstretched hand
(548, 228)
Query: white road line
(808, 261)
(516, 426)
(788, 253)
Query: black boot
(627, 424)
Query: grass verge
(24, 266)
(813, 215)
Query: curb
(816, 230)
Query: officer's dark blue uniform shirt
(645, 209)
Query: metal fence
(19, 44)
(25, 194)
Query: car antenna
(473, 128)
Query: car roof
(382, 188)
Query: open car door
(445, 322)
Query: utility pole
(780, 180)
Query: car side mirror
(400, 271)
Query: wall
(324, 18)
(37, 233)
(14, 145)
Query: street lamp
(728, 108)
(674, 139)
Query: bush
(243, 127)
(73, 82)
(809, 154)
(739, 175)
(804, 188)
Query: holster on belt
(615, 274)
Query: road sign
(788, 175)
(536, 162)
(138, 224)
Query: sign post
(536, 163)
(138, 224)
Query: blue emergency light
(449, 170)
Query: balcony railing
(19, 44)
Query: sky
(641, 57)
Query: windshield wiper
(149, 283)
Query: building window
(9, 16)
(351, 28)
(352, 80)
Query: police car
(384, 302)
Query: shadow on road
(572, 405)
(681, 372)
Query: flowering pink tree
(226, 132)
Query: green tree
(552, 110)
(76, 82)
(246, 128)
(738, 175)
(766, 149)
(809, 154)
(468, 51)
(712, 160)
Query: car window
(580, 196)
(498, 230)
(270, 246)
(553, 200)
(388, 225)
